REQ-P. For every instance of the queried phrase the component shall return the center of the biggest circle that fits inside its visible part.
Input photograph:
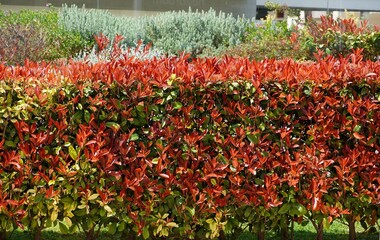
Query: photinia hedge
(201, 148)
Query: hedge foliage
(203, 148)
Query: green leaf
(10, 144)
(253, 138)
(121, 227)
(80, 213)
(191, 210)
(67, 201)
(155, 160)
(357, 128)
(9, 99)
(177, 105)
(213, 181)
(146, 232)
(247, 212)
(134, 137)
(102, 212)
(113, 125)
(38, 198)
(87, 116)
(112, 228)
(73, 153)
(262, 126)
(140, 108)
(326, 223)
(285, 208)
(301, 210)
(77, 117)
(63, 228)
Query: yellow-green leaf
(54, 215)
(172, 224)
(107, 208)
(93, 196)
(73, 153)
(68, 221)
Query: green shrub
(20, 42)
(268, 40)
(60, 42)
(172, 32)
(340, 37)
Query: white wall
(364, 5)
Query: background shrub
(333, 37)
(193, 32)
(269, 39)
(171, 32)
(19, 42)
(340, 37)
(60, 43)
(106, 50)
(94, 21)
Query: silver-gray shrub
(90, 22)
(193, 32)
(171, 32)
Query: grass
(337, 231)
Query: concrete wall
(361, 5)
(237, 7)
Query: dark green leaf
(285, 208)
(146, 232)
(113, 125)
(253, 138)
(63, 228)
(87, 116)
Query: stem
(38, 233)
(90, 234)
(351, 228)
(318, 227)
(292, 231)
(3, 235)
(261, 235)
(98, 231)
(222, 235)
(319, 232)
(284, 228)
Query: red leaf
(163, 175)
(358, 136)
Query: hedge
(198, 149)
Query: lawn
(337, 231)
